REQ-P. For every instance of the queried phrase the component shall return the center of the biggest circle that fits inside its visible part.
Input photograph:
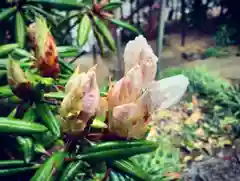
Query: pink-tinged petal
(92, 95)
(126, 89)
(149, 71)
(125, 111)
(128, 121)
(131, 54)
(138, 51)
(164, 93)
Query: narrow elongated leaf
(38, 148)
(68, 54)
(13, 171)
(83, 30)
(55, 95)
(104, 31)
(71, 170)
(124, 25)
(58, 4)
(12, 163)
(112, 6)
(8, 125)
(5, 91)
(48, 16)
(64, 49)
(20, 30)
(99, 39)
(66, 66)
(3, 64)
(48, 118)
(6, 49)
(7, 13)
(26, 146)
(48, 171)
(65, 21)
(131, 169)
(23, 53)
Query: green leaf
(65, 22)
(64, 49)
(104, 31)
(12, 163)
(20, 30)
(55, 95)
(116, 150)
(7, 48)
(112, 6)
(49, 170)
(124, 25)
(7, 13)
(99, 39)
(6, 91)
(58, 4)
(38, 148)
(66, 66)
(17, 126)
(130, 168)
(23, 54)
(67, 51)
(84, 28)
(48, 16)
(14, 171)
(26, 146)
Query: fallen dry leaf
(194, 118)
(195, 100)
(200, 132)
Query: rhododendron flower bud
(126, 89)
(44, 48)
(138, 51)
(81, 101)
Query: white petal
(126, 89)
(138, 51)
(165, 93)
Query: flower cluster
(131, 100)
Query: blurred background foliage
(86, 15)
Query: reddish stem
(106, 175)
